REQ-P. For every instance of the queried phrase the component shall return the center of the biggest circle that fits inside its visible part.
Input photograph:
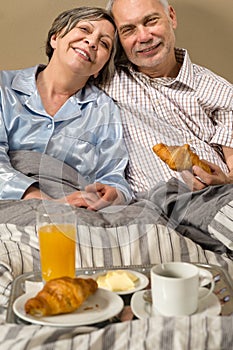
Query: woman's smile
(83, 53)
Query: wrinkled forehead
(134, 11)
(103, 25)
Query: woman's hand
(80, 199)
(96, 196)
(200, 179)
(107, 195)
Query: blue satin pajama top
(86, 133)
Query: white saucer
(209, 306)
(99, 307)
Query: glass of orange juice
(56, 227)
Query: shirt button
(49, 126)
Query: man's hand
(200, 179)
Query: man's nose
(143, 34)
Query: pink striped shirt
(194, 108)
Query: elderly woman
(56, 110)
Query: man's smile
(149, 49)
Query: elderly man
(166, 98)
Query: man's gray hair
(111, 2)
(120, 57)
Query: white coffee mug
(175, 287)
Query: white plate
(209, 306)
(97, 308)
(141, 283)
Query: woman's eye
(84, 29)
(105, 44)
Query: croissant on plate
(179, 158)
(60, 295)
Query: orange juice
(57, 250)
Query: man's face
(146, 31)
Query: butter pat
(117, 280)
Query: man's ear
(172, 15)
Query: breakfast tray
(223, 290)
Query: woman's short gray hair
(68, 20)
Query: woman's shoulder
(7, 76)
(100, 95)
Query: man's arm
(228, 154)
(199, 179)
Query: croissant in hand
(60, 295)
(179, 158)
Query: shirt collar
(185, 76)
(186, 73)
(25, 82)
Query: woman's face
(86, 48)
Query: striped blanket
(167, 224)
(19, 254)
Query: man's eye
(126, 31)
(152, 21)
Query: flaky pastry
(60, 295)
(179, 158)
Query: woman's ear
(96, 75)
(53, 41)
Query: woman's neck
(56, 87)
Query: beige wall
(205, 28)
